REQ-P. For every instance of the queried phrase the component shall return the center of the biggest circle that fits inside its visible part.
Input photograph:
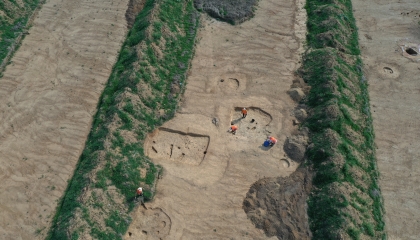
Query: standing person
(244, 112)
(272, 140)
(139, 192)
(233, 129)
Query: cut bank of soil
(134, 8)
(256, 61)
(394, 90)
(233, 11)
(48, 96)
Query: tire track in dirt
(47, 98)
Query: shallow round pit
(411, 51)
(285, 163)
(388, 70)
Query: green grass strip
(346, 200)
(139, 67)
(13, 23)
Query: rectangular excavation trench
(178, 146)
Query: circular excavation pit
(169, 144)
(228, 84)
(388, 70)
(285, 163)
(253, 126)
(411, 51)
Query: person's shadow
(262, 147)
(139, 200)
(236, 121)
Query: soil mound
(296, 94)
(234, 12)
(300, 114)
(278, 205)
(295, 146)
(134, 8)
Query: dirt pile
(134, 8)
(233, 11)
(335, 135)
(300, 114)
(278, 205)
(295, 145)
(345, 201)
(296, 94)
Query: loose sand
(47, 98)
(208, 171)
(385, 27)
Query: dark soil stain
(278, 205)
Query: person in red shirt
(233, 129)
(244, 112)
(272, 140)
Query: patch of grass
(113, 156)
(333, 70)
(353, 233)
(369, 229)
(13, 23)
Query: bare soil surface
(387, 32)
(208, 171)
(48, 96)
(277, 205)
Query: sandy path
(47, 99)
(207, 172)
(394, 86)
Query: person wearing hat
(233, 129)
(244, 112)
(139, 192)
(272, 140)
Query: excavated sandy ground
(47, 99)
(207, 171)
(394, 86)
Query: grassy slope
(346, 201)
(13, 22)
(141, 94)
